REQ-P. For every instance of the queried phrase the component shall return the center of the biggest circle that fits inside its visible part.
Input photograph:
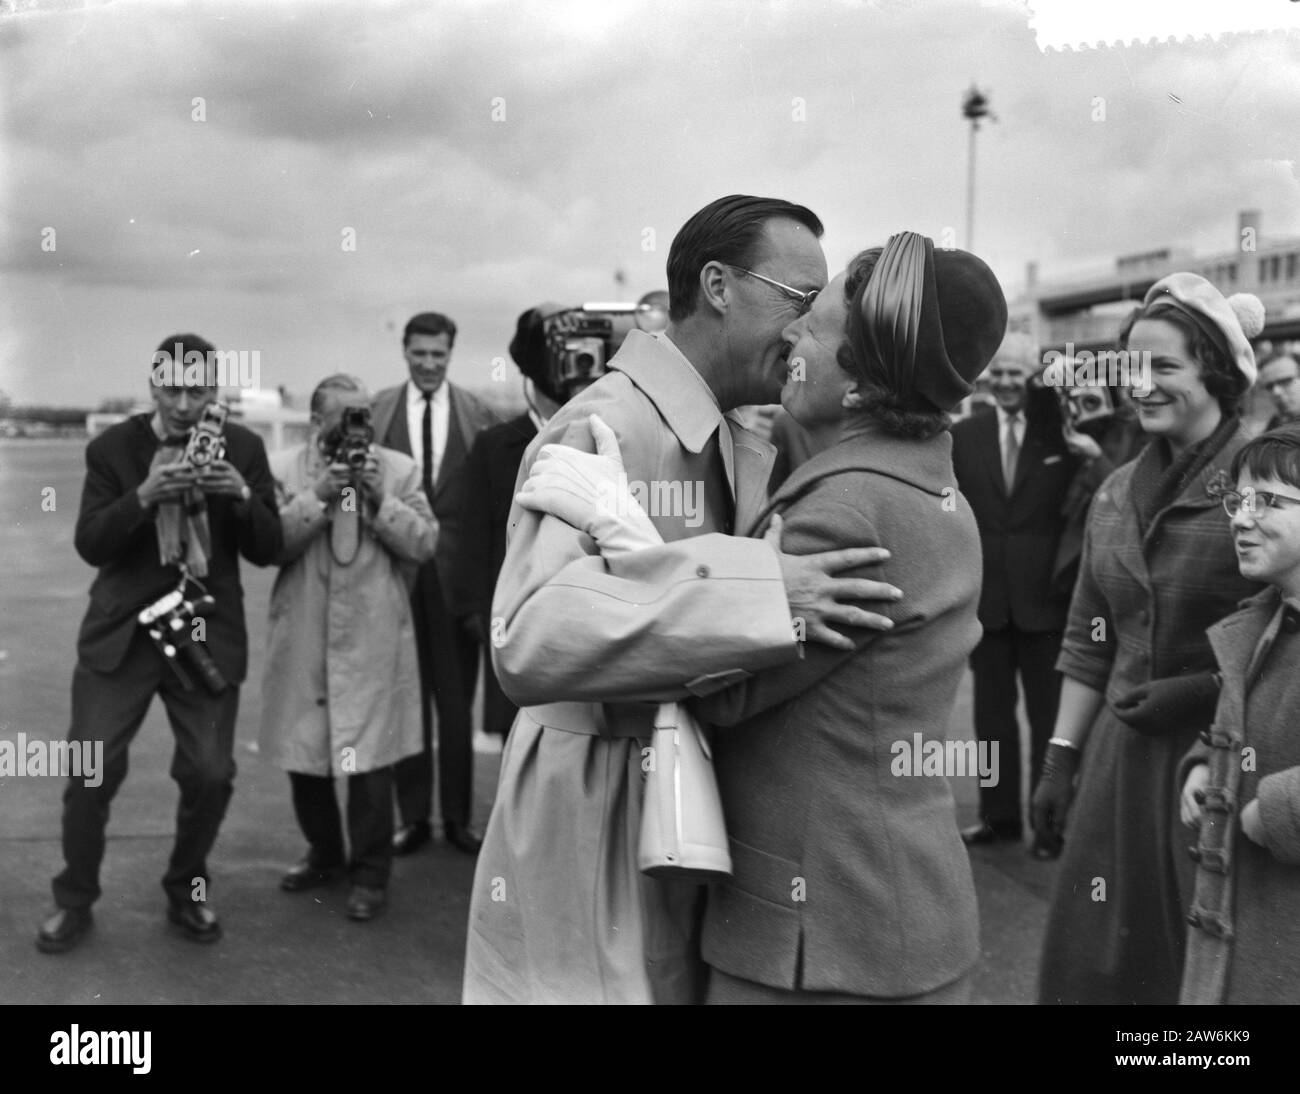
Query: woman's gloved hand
(1169, 703)
(1055, 791)
(590, 491)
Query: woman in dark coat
(850, 882)
(1158, 568)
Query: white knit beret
(1236, 319)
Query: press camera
(206, 443)
(1089, 410)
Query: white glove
(589, 490)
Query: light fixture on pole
(974, 107)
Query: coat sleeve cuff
(1087, 667)
(1279, 810)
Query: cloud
(491, 155)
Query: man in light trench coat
(588, 647)
(341, 694)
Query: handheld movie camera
(170, 623)
(580, 341)
(349, 442)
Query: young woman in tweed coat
(1158, 568)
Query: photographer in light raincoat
(342, 686)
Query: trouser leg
(317, 809)
(413, 775)
(203, 766)
(455, 722)
(1036, 655)
(370, 827)
(993, 663)
(106, 709)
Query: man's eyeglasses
(803, 299)
(1255, 502)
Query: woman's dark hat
(927, 322)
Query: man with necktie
(435, 422)
(1015, 468)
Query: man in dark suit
(1015, 469)
(490, 474)
(147, 517)
(435, 423)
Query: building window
(1290, 265)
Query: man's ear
(713, 286)
(853, 398)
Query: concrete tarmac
(278, 947)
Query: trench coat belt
(598, 719)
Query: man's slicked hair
(340, 381)
(432, 323)
(728, 230)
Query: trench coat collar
(662, 372)
(864, 446)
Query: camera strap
(347, 522)
(184, 538)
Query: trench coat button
(1194, 918)
(1194, 853)
(701, 571)
(1290, 622)
(320, 702)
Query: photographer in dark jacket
(148, 517)
(490, 475)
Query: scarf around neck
(184, 538)
(1158, 480)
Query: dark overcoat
(1245, 944)
(1141, 607)
(849, 872)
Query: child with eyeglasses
(1241, 782)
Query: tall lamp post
(974, 107)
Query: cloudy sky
(490, 155)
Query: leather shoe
(195, 920)
(64, 929)
(365, 903)
(412, 837)
(978, 834)
(303, 875)
(462, 838)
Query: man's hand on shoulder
(819, 598)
